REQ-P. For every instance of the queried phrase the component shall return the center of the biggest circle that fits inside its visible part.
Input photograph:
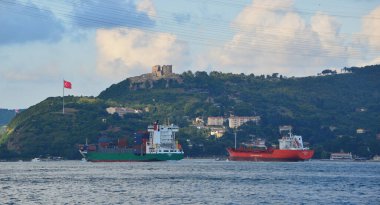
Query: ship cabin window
(166, 150)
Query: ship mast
(287, 128)
(235, 139)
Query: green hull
(130, 157)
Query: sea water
(190, 182)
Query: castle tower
(156, 70)
(167, 69)
(159, 71)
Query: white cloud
(369, 41)
(327, 30)
(371, 28)
(271, 37)
(128, 52)
(147, 6)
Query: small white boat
(341, 156)
(36, 159)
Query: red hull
(269, 155)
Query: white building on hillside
(121, 111)
(236, 121)
(215, 121)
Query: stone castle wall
(159, 71)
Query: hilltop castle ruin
(159, 71)
(164, 72)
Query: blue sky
(97, 43)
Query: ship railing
(165, 150)
(118, 150)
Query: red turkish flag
(66, 84)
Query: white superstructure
(162, 139)
(290, 141)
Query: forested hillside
(326, 110)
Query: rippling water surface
(190, 182)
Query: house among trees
(360, 131)
(198, 121)
(236, 121)
(217, 132)
(215, 121)
(121, 111)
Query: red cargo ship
(290, 149)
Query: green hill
(326, 110)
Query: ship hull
(130, 157)
(273, 155)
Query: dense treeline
(326, 110)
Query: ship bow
(306, 154)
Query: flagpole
(63, 97)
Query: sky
(95, 43)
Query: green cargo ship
(160, 146)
